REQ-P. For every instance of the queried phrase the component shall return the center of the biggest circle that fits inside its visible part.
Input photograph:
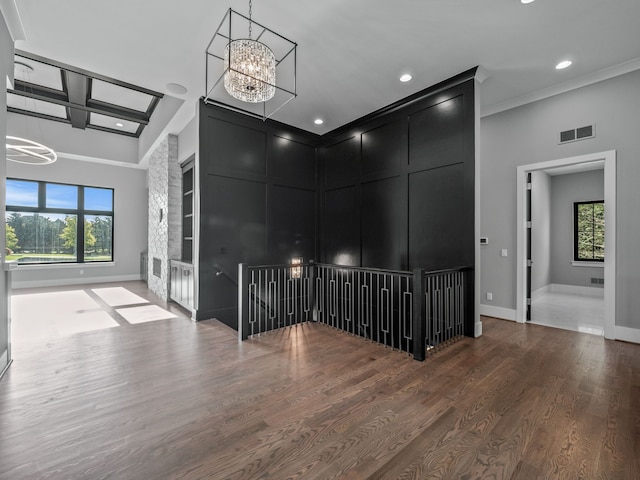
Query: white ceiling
(350, 52)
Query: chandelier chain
(250, 5)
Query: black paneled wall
(395, 190)
(258, 202)
(398, 185)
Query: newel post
(419, 320)
(243, 301)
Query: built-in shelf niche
(187, 210)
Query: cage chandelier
(250, 69)
(254, 73)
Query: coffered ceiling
(55, 91)
(350, 53)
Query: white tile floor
(580, 313)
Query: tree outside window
(589, 223)
(58, 223)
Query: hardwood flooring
(173, 399)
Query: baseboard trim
(541, 291)
(477, 329)
(16, 284)
(627, 334)
(498, 312)
(577, 290)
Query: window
(588, 225)
(45, 222)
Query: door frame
(609, 158)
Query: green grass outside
(57, 257)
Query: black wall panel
(258, 202)
(396, 191)
(341, 226)
(384, 224)
(384, 148)
(414, 197)
(237, 148)
(436, 216)
(233, 232)
(437, 134)
(342, 162)
(293, 161)
(292, 224)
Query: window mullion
(80, 225)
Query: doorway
(523, 272)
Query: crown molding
(564, 87)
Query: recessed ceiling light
(118, 124)
(176, 88)
(563, 64)
(318, 121)
(405, 78)
(526, 1)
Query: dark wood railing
(382, 306)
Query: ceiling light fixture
(23, 150)
(405, 78)
(250, 69)
(257, 71)
(119, 124)
(526, 1)
(318, 121)
(563, 64)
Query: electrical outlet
(489, 296)
(503, 252)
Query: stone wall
(165, 194)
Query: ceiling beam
(48, 95)
(104, 78)
(77, 88)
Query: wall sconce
(296, 267)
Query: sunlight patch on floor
(118, 296)
(41, 316)
(147, 313)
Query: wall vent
(597, 281)
(157, 267)
(580, 133)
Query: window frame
(80, 212)
(576, 254)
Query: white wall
(529, 134)
(541, 211)
(565, 190)
(130, 222)
(6, 66)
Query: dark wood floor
(174, 399)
